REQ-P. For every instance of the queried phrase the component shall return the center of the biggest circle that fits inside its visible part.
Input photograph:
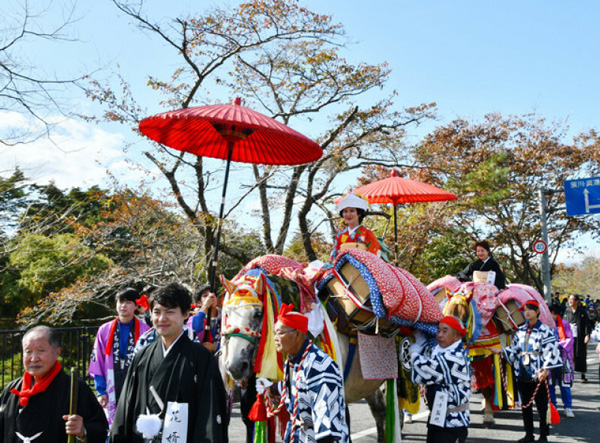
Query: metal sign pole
(545, 255)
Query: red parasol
(233, 133)
(396, 190)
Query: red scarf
(26, 393)
(561, 328)
(113, 327)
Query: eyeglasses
(280, 333)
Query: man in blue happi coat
(446, 371)
(312, 390)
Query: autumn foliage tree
(286, 62)
(497, 167)
(71, 251)
(582, 278)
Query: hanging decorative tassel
(258, 412)
(271, 428)
(552, 415)
(149, 425)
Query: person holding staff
(36, 406)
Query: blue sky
(470, 57)
(476, 57)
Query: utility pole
(545, 255)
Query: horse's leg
(247, 399)
(488, 414)
(376, 402)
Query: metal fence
(76, 344)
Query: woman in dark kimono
(582, 328)
(484, 263)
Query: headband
(454, 323)
(530, 302)
(293, 320)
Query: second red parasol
(396, 190)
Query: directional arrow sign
(582, 196)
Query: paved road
(585, 427)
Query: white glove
(262, 384)
(420, 338)
(415, 348)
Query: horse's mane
(458, 306)
(457, 309)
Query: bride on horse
(353, 209)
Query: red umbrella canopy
(396, 190)
(210, 131)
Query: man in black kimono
(582, 328)
(173, 391)
(35, 407)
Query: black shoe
(584, 380)
(542, 440)
(526, 439)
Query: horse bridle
(235, 302)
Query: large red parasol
(233, 133)
(396, 190)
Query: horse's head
(242, 323)
(458, 306)
(461, 305)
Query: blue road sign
(582, 196)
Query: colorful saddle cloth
(394, 293)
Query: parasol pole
(396, 233)
(213, 276)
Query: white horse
(243, 312)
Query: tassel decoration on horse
(259, 410)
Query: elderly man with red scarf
(313, 391)
(35, 408)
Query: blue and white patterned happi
(321, 407)
(543, 349)
(450, 372)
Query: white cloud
(78, 154)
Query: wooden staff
(74, 397)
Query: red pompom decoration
(258, 411)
